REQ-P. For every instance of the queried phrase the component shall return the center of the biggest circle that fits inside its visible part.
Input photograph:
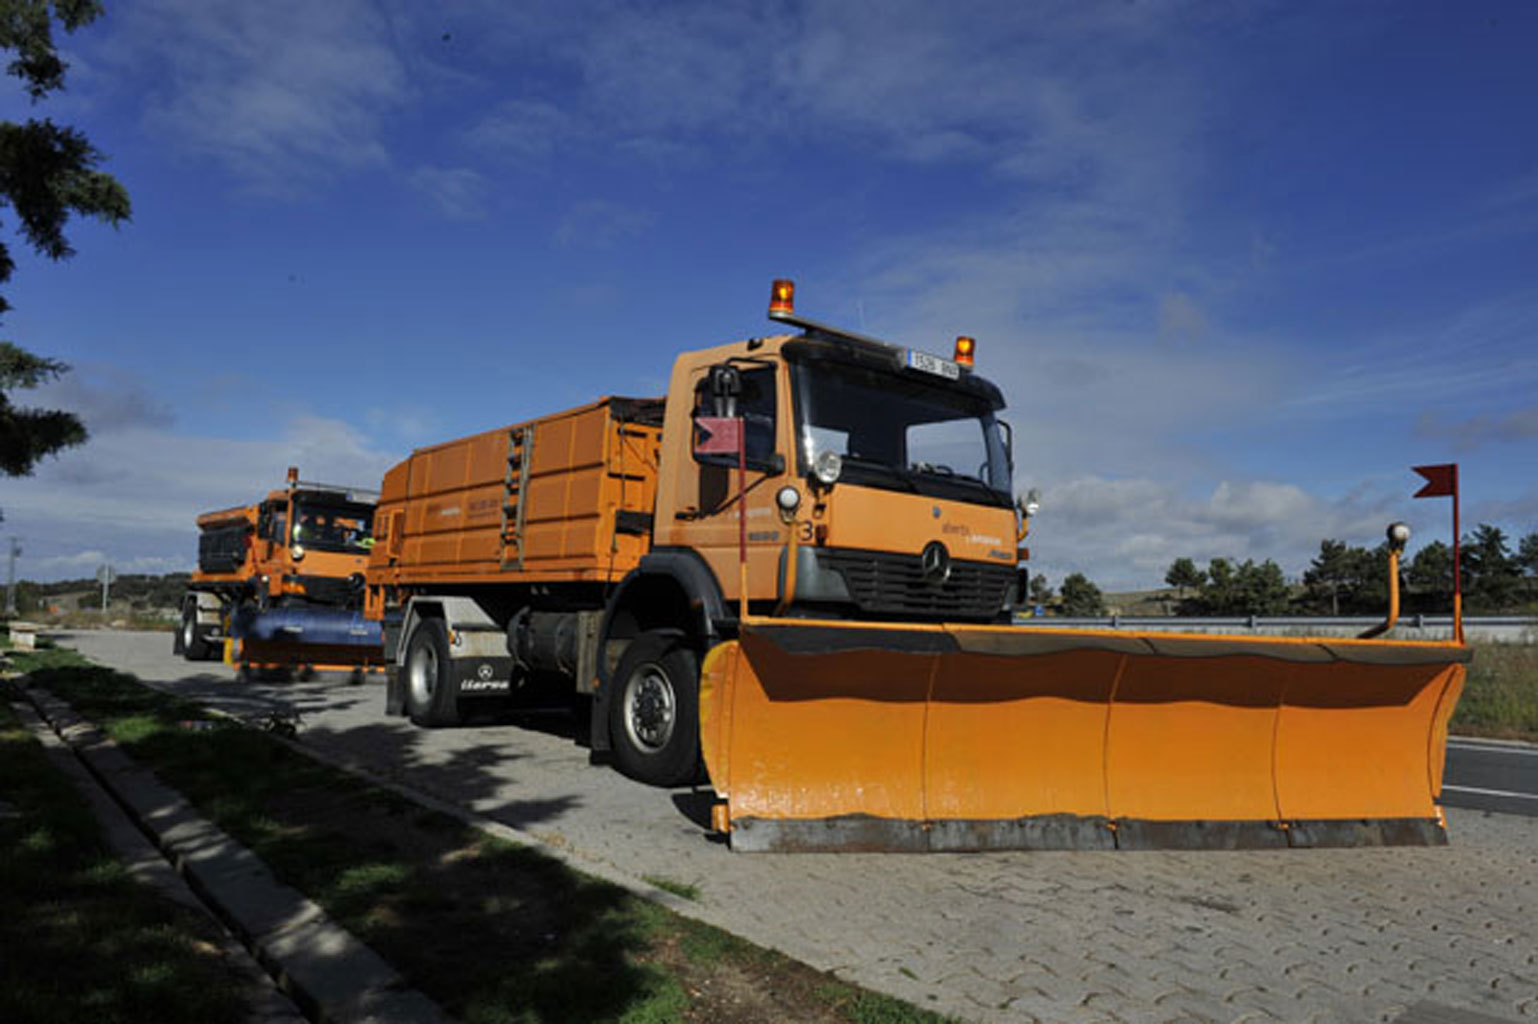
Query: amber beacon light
(966, 349)
(782, 297)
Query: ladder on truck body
(520, 456)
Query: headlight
(1398, 536)
(788, 498)
(297, 551)
(826, 467)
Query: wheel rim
(650, 708)
(422, 674)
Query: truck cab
(813, 475)
(302, 547)
(877, 480)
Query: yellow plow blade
(825, 736)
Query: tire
(654, 717)
(192, 643)
(432, 699)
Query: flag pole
(1457, 566)
(742, 521)
(1442, 481)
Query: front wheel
(654, 711)
(194, 646)
(431, 697)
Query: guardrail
(1500, 628)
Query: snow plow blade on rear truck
(799, 569)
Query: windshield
(901, 431)
(334, 527)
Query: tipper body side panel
(563, 498)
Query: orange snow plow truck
(798, 569)
(282, 581)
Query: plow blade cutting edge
(823, 736)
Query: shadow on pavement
(431, 894)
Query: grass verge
(1500, 698)
(493, 931)
(83, 941)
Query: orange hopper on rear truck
(799, 567)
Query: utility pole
(10, 588)
(106, 575)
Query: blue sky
(1236, 267)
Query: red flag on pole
(719, 435)
(1440, 480)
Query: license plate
(933, 364)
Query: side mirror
(725, 385)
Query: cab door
(761, 404)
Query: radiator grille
(330, 590)
(883, 583)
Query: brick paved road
(1347, 935)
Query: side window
(269, 523)
(756, 405)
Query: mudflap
(823, 736)
(395, 691)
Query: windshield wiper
(884, 468)
(948, 475)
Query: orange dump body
(564, 498)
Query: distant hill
(136, 591)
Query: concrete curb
(328, 972)
(145, 864)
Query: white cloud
(1124, 534)
(86, 564)
(523, 130)
(132, 496)
(106, 398)
(1042, 92)
(460, 193)
(1180, 318)
(1466, 435)
(1483, 354)
(596, 224)
(283, 93)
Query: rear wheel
(431, 699)
(654, 711)
(194, 646)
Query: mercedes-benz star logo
(935, 562)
